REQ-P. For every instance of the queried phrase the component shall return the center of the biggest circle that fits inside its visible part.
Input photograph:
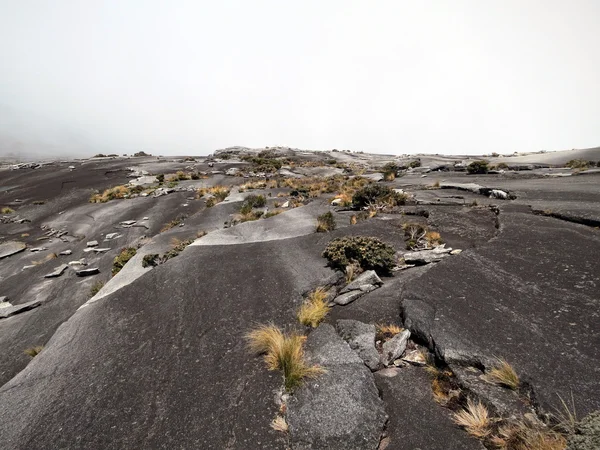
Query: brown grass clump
(523, 436)
(353, 219)
(113, 193)
(280, 424)
(34, 351)
(433, 238)
(503, 374)
(283, 352)
(219, 193)
(385, 332)
(474, 419)
(314, 309)
(7, 210)
(49, 257)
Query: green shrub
(150, 260)
(374, 194)
(160, 177)
(255, 201)
(415, 163)
(325, 222)
(478, 167)
(367, 252)
(120, 260)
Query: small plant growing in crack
(280, 424)
(283, 351)
(314, 309)
(474, 418)
(504, 375)
(34, 351)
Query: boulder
(394, 348)
(86, 272)
(341, 409)
(57, 272)
(423, 257)
(368, 278)
(348, 297)
(65, 252)
(361, 338)
(92, 243)
(497, 193)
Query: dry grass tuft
(440, 395)
(474, 419)
(7, 210)
(283, 352)
(353, 219)
(279, 424)
(503, 374)
(568, 416)
(385, 332)
(522, 436)
(33, 351)
(314, 309)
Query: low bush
(7, 210)
(478, 167)
(151, 260)
(325, 222)
(377, 194)
(255, 201)
(160, 177)
(367, 252)
(120, 260)
(414, 164)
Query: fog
(188, 77)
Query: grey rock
(423, 257)
(10, 248)
(111, 236)
(16, 309)
(361, 338)
(286, 204)
(86, 272)
(81, 262)
(65, 252)
(87, 250)
(37, 249)
(456, 252)
(415, 357)
(232, 171)
(366, 278)
(394, 348)
(101, 250)
(340, 409)
(348, 297)
(126, 223)
(497, 193)
(587, 434)
(57, 272)
(92, 243)
(504, 401)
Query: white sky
(187, 77)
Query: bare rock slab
(341, 409)
(394, 348)
(368, 278)
(10, 248)
(16, 309)
(361, 338)
(416, 421)
(58, 271)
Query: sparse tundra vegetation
(306, 299)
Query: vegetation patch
(7, 210)
(366, 252)
(474, 418)
(284, 352)
(478, 167)
(326, 222)
(154, 259)
(122, 259)
(114, 193)
(96, 288)
(503, 374)
(217, 194)
(314, 309)
(378, 196)
(33, 351)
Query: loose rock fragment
(394, 348)
(57, 272)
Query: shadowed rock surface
(155, 356)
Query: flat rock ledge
(341, 409)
